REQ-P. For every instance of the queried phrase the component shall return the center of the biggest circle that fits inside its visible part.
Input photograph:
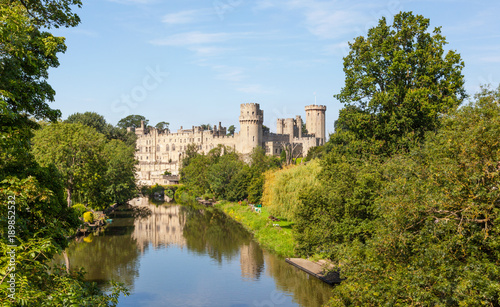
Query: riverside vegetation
(403, 198)
(46, 166)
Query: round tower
(315, 122)
(251, 119)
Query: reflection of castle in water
(251, 261)
(163, 227)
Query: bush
(88, 217)
(79, 209)
(281, 188)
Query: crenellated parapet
(314, 107)
(251, 113)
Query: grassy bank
(277, 239)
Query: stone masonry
(159, 151)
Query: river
(174, 255)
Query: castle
(160, 151)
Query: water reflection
(163, 227)
(171, 255)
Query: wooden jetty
(320, 269)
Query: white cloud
(209, 51)
(191, 38)
(184, 17)
(330, 19)
(233, 74)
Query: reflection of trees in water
(306, 290)
(107, 258)
(209, 231)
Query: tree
(436, 243)
(230, 130)
(43, 221)
(133, 121)
(206, 127)
(120, 172)
(162, 126)
(399, 82)
(265, 129)
(76, 151)
(90, 119)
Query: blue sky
(191, 62)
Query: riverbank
(272, 235)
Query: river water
(173, 255)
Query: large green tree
(399, 82)
(76, 151)
(133, 121)
(32, 192)
(437, 240)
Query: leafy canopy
(399, 81)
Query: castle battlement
(162, 150)
(315, 107)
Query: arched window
(173, 147)
(166, 148)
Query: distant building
(162, 151)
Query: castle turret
(315, 122)
(251, 119)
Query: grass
(277, 239)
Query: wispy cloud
(228, 73)
(209, 51)
(330, 19)
(191, 38)
(185, 17)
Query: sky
(190, 62)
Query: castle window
(157, 147)
(173, 147)
(253, 138)
(166, 148)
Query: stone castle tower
(251, 119)
(161, 151)
(315, 122)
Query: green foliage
(76, 150)
(35, 193)
(231, 130)
(88, 217)
(238, 186)
(133, 121)
(255, 189)
(282, 187)
(94, 170)
(162, 126)
(90, 119)
(398, 83)
(436, 241)
(220, 174)
(120, 172)
(79, 209)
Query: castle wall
(159, 151)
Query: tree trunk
(66, 260)
(68, 199)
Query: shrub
(88, 217)
(79, 209)
(281, 188)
